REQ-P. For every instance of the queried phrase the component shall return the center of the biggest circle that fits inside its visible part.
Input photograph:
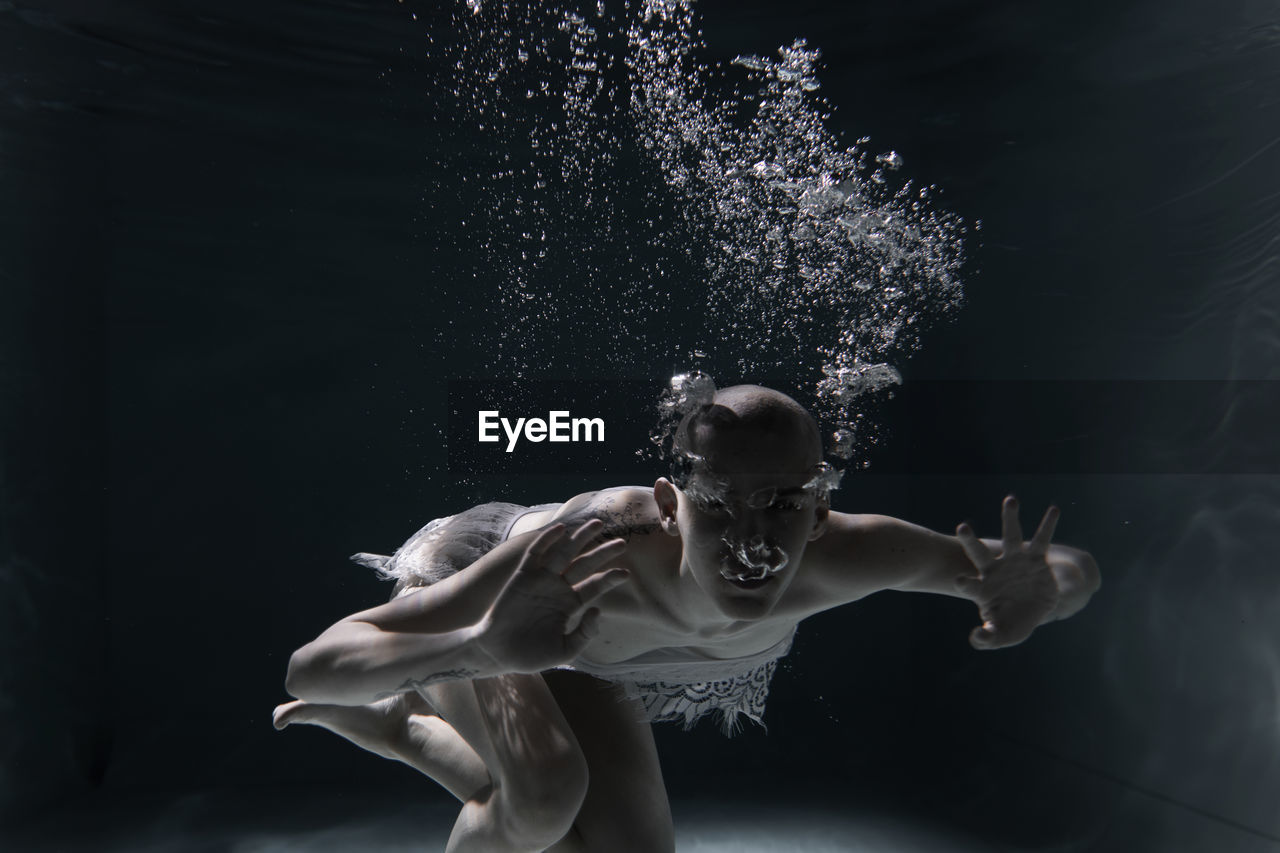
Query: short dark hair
(737, 407)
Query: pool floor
(325, 820)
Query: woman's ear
(668, 501)
(821, 515)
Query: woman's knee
(541, 803)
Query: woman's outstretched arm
(1017, 584)
(523, 607)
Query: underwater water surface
(250, 254)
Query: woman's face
(748, 505)
(744, 535)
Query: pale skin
(457, 679)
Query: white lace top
(680, 685)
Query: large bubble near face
(756, 558)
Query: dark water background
(231, 314)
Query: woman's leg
(537, 770)
(542, 738)
(403, 728)
(500, 745)
(626, 806)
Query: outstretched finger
(1044, 533)
(584, 533)
(977, 552)
(563, 551)
(1012, 528)
(588, 562)
(983, 637)
(999, 635)
(600, 583)
(536, 553)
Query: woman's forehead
(763, 455)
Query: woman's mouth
(743, 576)
(754, 557)
(750, 583)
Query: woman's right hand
(544, 615)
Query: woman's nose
(744, 518)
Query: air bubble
(786, 240)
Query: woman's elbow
(299, 676)
(312, 672)
(1080, 567)
(323, 670)
(1089, 568)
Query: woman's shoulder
(626, 511)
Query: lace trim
(736, 697)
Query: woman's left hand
(1015, 590)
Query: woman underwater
(528, 650)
